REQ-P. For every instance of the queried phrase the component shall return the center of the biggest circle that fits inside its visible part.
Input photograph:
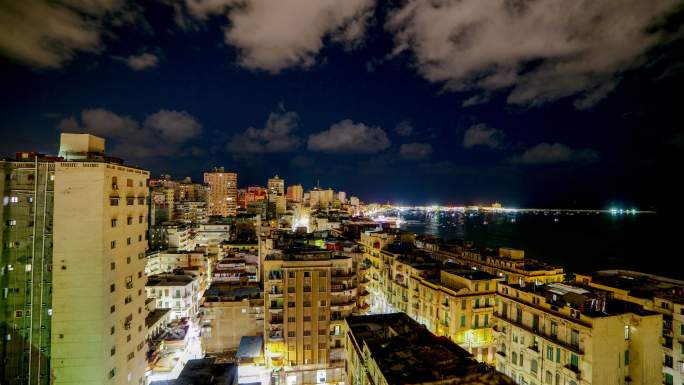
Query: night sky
(532, 103)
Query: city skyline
(357, 101)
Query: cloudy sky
(554, 102)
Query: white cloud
(481, 135)
(274, 35)
(143, 61)
(48, 34)
(536, 51)
(404, 128)
(347, 137)
(164, 133)
(415, 151)
(276, 136)
(546, 153)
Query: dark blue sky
(400, 100)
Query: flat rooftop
(203, 371)
(589, 301)
(473, 275)
(407, 353)
(169, 280)
(226, 292)
(641, 285)
(155, 315)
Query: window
(112, 351)
(141, 200)
(112, 309)
(463, 321)
(129, 182)
(129, 220)
(130, 356)
(574, 361)
(111, 330)
(321, 332)
(669, 380)
(514, 357)
(307, 318)
(521, 359)
(574, 338)
(112, 244)
(548, 377)
(668, 361)
(321, 317)
(113, 201)
(558, 355)
(128, 260)
(291, 319)
(626, 357)
(112, 287)
(140, 219)
(291, 334)
(129, 201)
(113, 222)
(626, 332)
(549, 353)
(307, 333)
(323, 303)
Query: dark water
(650, 243)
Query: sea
(580, 242)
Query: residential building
(229, 312)
(26, 255)
(178, 292)
(659, 294)
(276, 185)
(98, 303)
(561, 333)
(307, 294)
(295, 193)
(393, 349)
(221, 193)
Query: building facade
(100, 222)
(564, 334)
(26, 185)
(221, 192)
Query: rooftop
(589, 301)
(407, 353)
(203, 371)
(169, 280)
(226, 292)
(641, 285)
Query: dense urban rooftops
(225, 292)
(407, 353)
(639, 285)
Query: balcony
(572, 371)
(275, 336)
(572, 347)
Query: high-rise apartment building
(222, 192)
(26, 214)
(98, 299)
(307, 295)
(570, 334)
(276, 186)
(295, 193)
(656, 293)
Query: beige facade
(307, 295)
(98, 332)
(564, 334)
(228, 313)
(276, 185)
(659, 294)
(222, 192)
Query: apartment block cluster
(110, 277)
(526, 318)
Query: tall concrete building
(571, 334)
(307, 295)
(295, 193)
(276, 186)
(222, 192)
(98, 301)
(26, 186)
(656, 293)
